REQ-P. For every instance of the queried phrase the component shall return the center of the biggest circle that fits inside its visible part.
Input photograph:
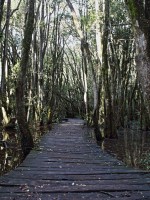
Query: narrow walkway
(68, 166)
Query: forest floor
(69, 165)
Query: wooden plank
(69, 165)
(75, 171)
(46, 188)
(52, 182)
(93, 195)
(16, 176)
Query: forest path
(70, 166)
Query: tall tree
(1, 15)
(26, 137)
(110, 129)
(1, 35)
(86, 52)
(140, 15)
(5, 54)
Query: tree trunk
(86, 51)
(110, 129)
(140, 15)
(1, 35)
(1, 16)
(26, 137)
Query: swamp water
(132, 147)
(10, 148)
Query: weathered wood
(18, 182)
(77, 196)
(69, 165)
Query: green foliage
(88, 20)
(132, 9)
(118, 12)
(15, 71)
(145, 161)
(120, 21)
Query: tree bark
(140, 16)
(26, 137)
(4, 57)
(110, 129)
(1, 15)
(1, 35)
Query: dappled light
(68, 165)
(74, 99)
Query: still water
(10, 150)
(132, 147)
(10, 147)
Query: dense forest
(81, 58)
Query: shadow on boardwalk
(67, 166)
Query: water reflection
(132, 147)
(10, 150)
(10, 147)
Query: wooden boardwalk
(69, 166)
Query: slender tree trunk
(85, 86)
(26, 137)
(140, 14)
(4, 60)
(1, 35)
(86, 51)
(110, 129)
(1, 16)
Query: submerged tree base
(98, 134)
(131, 147)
